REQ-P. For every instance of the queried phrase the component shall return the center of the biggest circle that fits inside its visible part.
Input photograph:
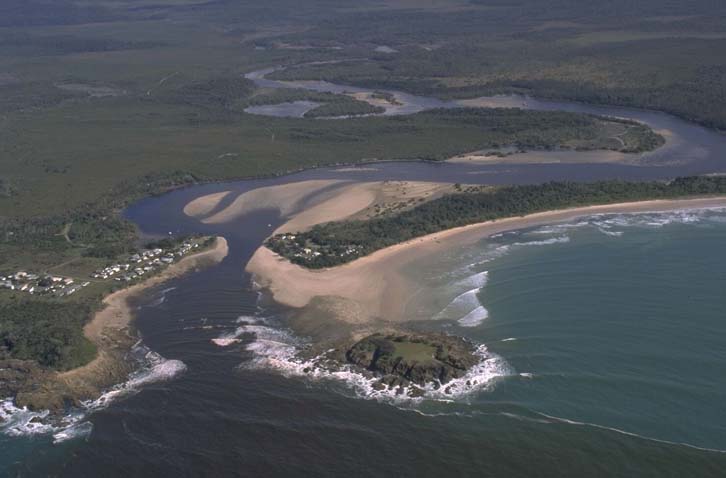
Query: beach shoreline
(374, 287)
(110, 330)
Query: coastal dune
(376, 286)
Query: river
(584, 388)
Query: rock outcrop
(413, 359)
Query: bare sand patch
(362, 201)
(312, 202)
(203, 205)
(336, 205)
(286, 198)
(376, 284)
(547, 157)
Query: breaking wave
(233, 337)
(477, 280)
(474, 318)
(466, 308)
(15, 421)
(545, 242)
(612, 224)
(278, 350)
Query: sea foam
(15, 421)
(474, 318)
(279, 350)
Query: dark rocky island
(410, 360)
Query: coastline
(373, 288)
(110, 331)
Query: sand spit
(110, 331)
(375, 286)
(548, 157)
(362, 201)
(287, 198)
(204, 205)
(307, 203)
(334, 206)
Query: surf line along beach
(110, 330)
(374, 287)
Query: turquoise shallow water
(608, 339)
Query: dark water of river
(223, 416)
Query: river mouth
(206, 307)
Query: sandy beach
(307, 203)
(286, 198)
(110, 331)
(374, 286)
(204, 205)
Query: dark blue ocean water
(609, 332)
(606, 343)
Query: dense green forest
(344, 108)
(103, 102)
(340, 242)
(618, 53)
(49, 332)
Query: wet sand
(548, 157)
(374, 286)
(204, 205)
(287, 198)
(307, 203)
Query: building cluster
(144, 262)
(135, 266)
(295, 249)
(41, 284)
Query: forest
(336, 243)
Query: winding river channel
(222, 416)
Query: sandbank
(375, 286)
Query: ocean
(602, 346)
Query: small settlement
(302, 251)
(41, 284)
(144, 262)
(135, 266)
